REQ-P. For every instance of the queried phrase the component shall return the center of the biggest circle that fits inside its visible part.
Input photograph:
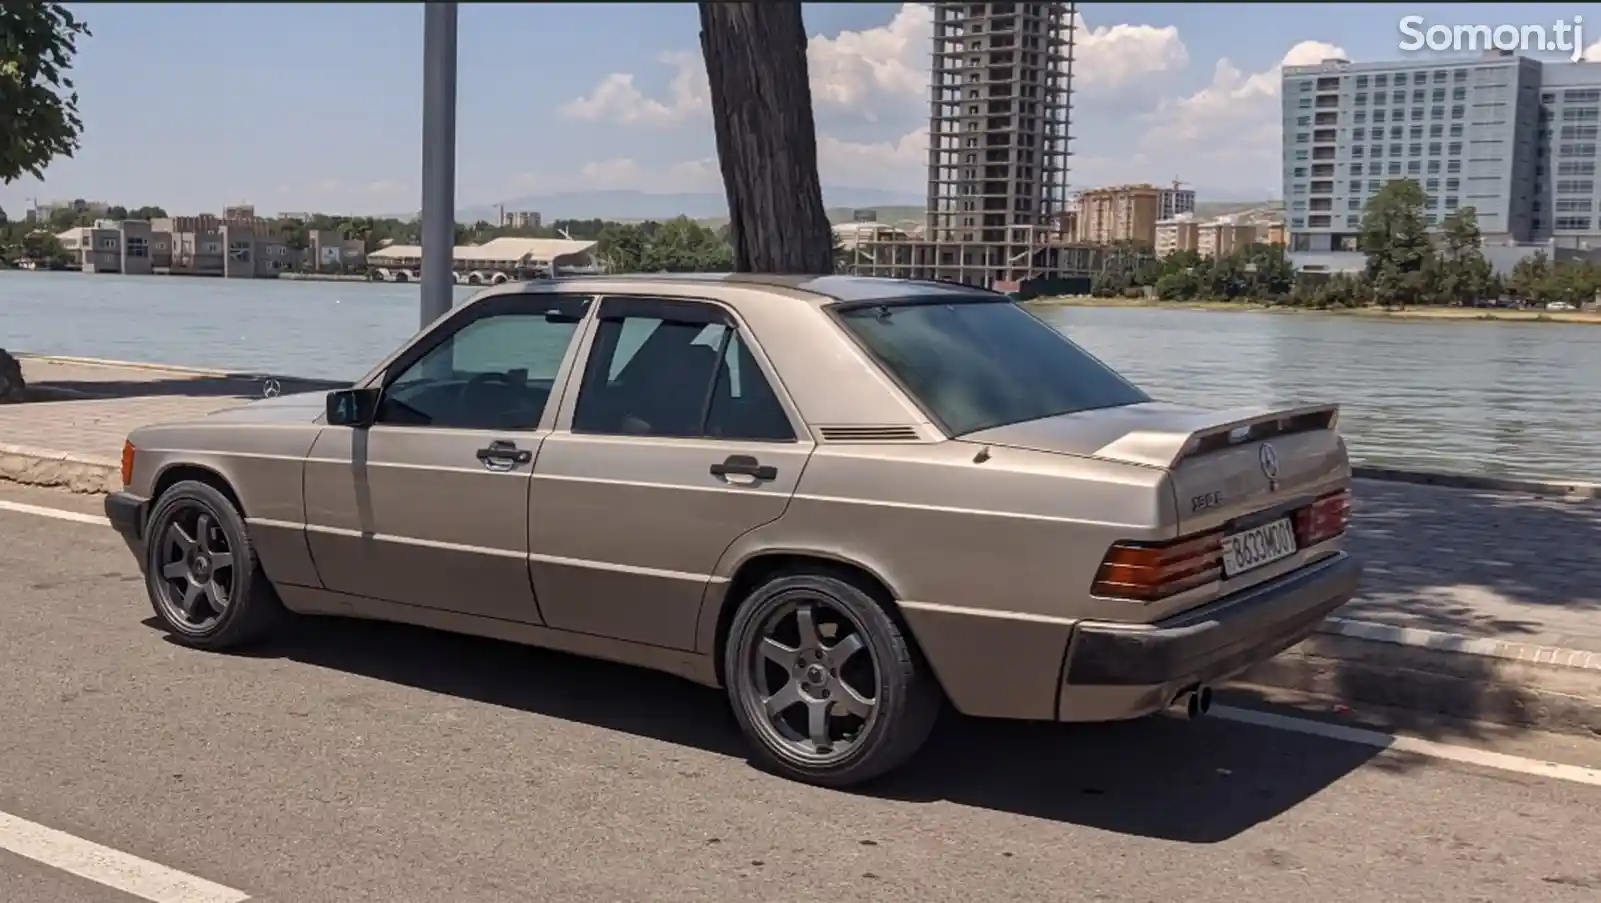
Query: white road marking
(1466, 755)
(112, 868)
(1360, 736)
(57, 513)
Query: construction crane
(1177, 185)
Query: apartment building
(326, 249)
(207, 245)
(1566, 195)
(1509, 136)
(1213, 238)
(522, 219)
(113, 246)
(1174, 202)
(1120, 213)
(1223, 236)
(42, 212)
(1177, 233)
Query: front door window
(494, 373)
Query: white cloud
(856, 70)
(882, 72)
(1115, 57)
(617, 99)
(899, 165)
(881, 75)
(1229, 132)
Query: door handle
(503, 455)
(745, 466)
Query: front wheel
(824, 682)
(201, 570)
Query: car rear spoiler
(1197, 434)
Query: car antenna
(982, 456)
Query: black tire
(908, 700)
(253, 608)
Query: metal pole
(438, 159)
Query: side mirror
(352, 407)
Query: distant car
(844, 500)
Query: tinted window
(683, 373)
(974, 365)
(494, 373)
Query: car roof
(819, 290)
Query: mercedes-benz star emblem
(271, 389)
(1270, 461)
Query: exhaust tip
(1194, 703)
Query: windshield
(976, 364)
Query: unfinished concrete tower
(999, 123)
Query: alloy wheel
(195, 567)
(814, 681)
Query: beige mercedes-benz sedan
(845, 500)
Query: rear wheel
(824, 682)
(201, 570)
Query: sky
(318, 107)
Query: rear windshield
(979, 363)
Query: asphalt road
(356, 762)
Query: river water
(1519, 399)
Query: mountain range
(632, 204)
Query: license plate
(1257, 546)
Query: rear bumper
(1116, 671)
(127, 513)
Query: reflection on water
(1505, 398)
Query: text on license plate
(1257, 546)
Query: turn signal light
(1146, 572)
(127, 464)
(1327, 517)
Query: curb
(1431, 672)
(74, 473)
(1570, 490)
(1436, 682)
(1441, 641)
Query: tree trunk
(12, 387)
(766, 142)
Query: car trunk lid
(1254, 486)
(1231, 470)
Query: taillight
(1324, 519)
(1146, 572)
(127, 464)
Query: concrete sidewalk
(83, 411)
(1463, 587)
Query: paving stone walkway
(1506, 566)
